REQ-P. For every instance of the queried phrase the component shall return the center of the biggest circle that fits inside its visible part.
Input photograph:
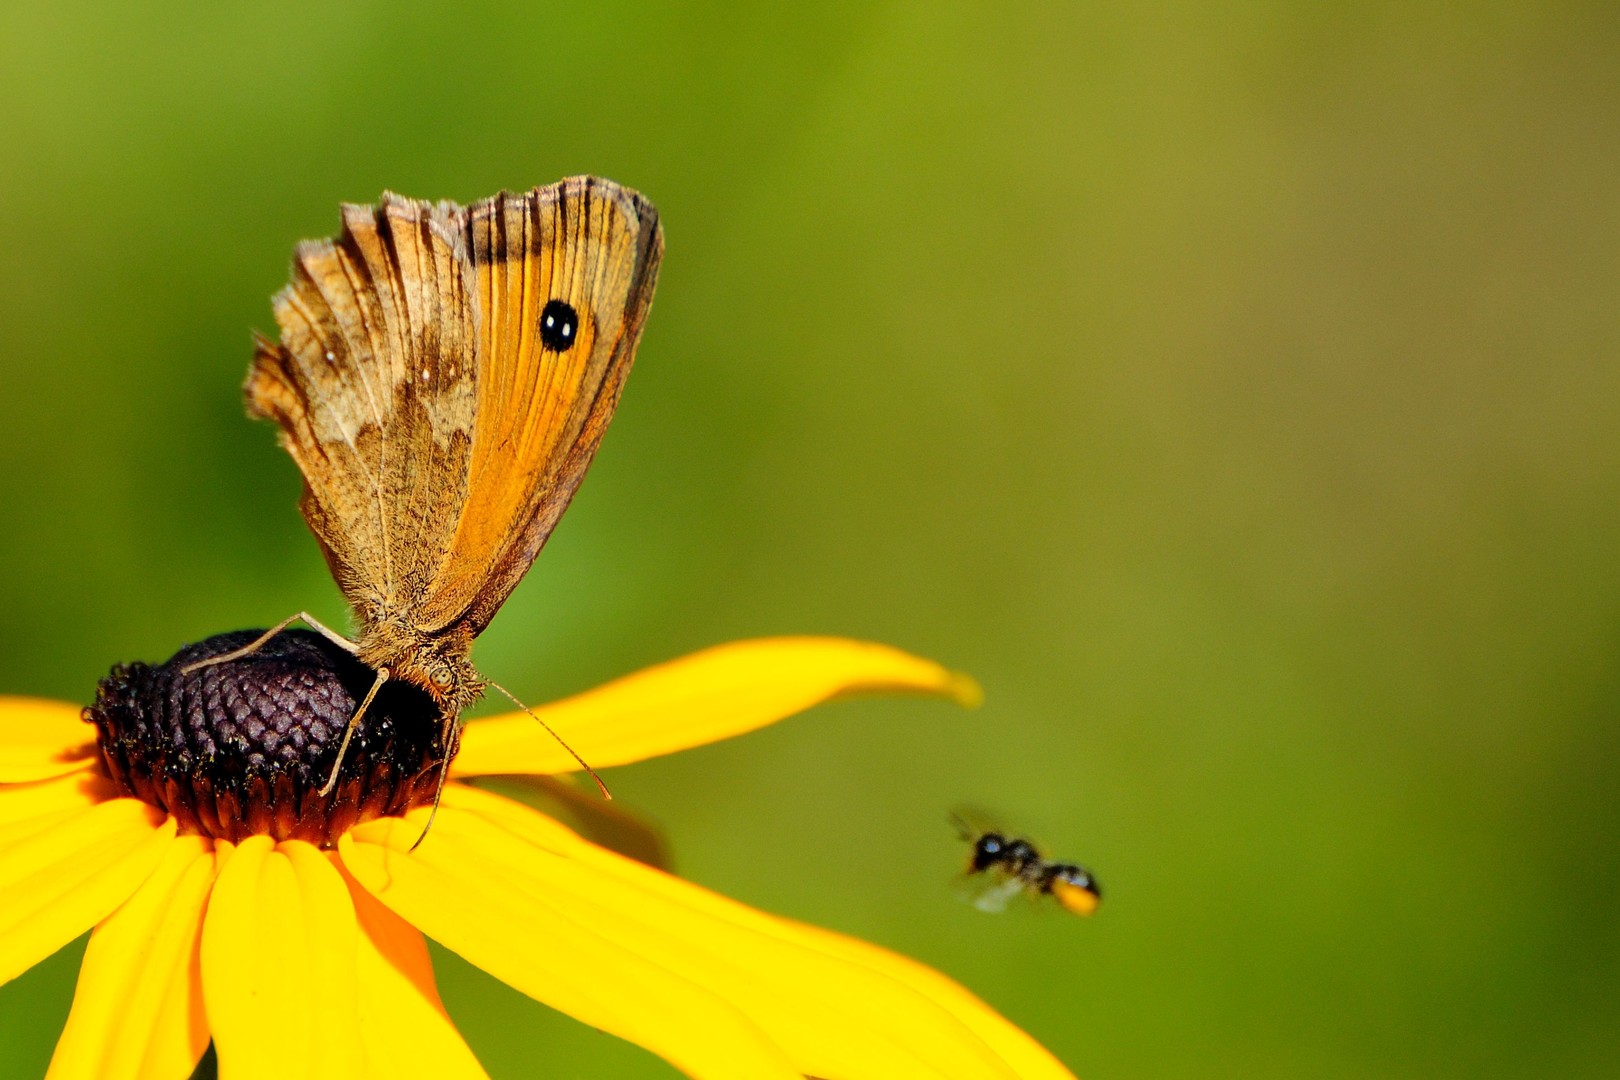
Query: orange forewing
(541, 412)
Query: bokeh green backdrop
(1231, 388)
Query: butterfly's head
(439, 664)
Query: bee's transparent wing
(990, 892)
(971, 822)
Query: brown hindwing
(374, 387)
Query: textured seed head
(243, 748)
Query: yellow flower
(306, 957)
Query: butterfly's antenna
(964, 831)
(348, 730)
(606, 794)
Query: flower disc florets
(242, 748)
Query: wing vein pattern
(439, 433)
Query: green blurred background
(1231, 388)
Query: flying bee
(1009, 865)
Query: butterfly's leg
(348, 731)
(264, 639)
(447, 732)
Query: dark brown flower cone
(243, 748)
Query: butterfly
(443, 378)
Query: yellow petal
(40, 739)
(138, 1012)
(1028, 1058)
(403, 1025)
(838, 1014)
(702, 698)
(61, 878)
(29, 807)
(467, 901)
(279, 951)
(576, 802)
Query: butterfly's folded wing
(439, 435)
(374, 387)
(585, 247)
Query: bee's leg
(348, 731)
(264, 639)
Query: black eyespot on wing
(559, 326)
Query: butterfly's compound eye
(559, 326)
